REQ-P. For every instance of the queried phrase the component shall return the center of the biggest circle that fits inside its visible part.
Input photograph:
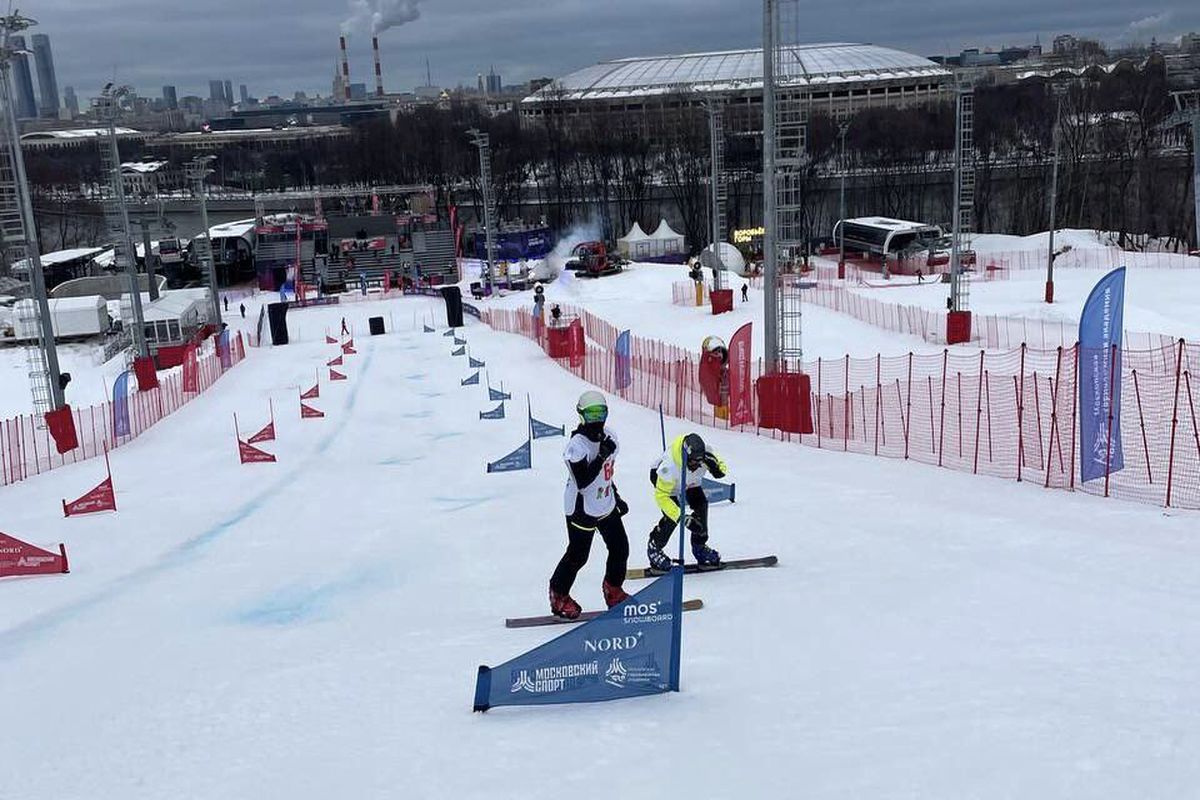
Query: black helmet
(694, 446)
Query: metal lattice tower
(718, 193)
(116, 209)
(964, 191)
(198, 169)
(1187, 105)
(483, 142)
(785, 159)
(18, 237)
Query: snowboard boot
(706, 557)
(613, 595)
(660, 562)
(562, 605)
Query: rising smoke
(377, 16)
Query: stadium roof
(809, 64)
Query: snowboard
(550, 619)
(638, 573)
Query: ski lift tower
(116, 209)
(784, 392)
(716, 136)
(958, 320)
(197, 170)
(1187, 112)
(482, 141)
(785, 157)
(18, 235)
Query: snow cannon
(714, 375)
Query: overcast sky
(289, 45)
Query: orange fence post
(1137, 393)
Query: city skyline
(462, 38)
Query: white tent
(731, 258)
(635, 244)
(666, 240)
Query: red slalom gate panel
(348, 348)
(334, 362)
(330, 340)
(102, 498)
(267, 434)
(722, 300)
(308, 412)
(334, 375)
(249, 454)
(313, 393)
(22, 558)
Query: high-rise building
(229, 92)
(43, 59)
(170, 98)
(493, 82)
(216, 92)
(243, 94)
(26, 104)
(71, 101)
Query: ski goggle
(594, 413)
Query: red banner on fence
(313, 393)
(308, 412)
(249, 454)
(336, 362)
(62, 427)
(267, 434)
(191, 370)
(22, 558)
(741, 411)
(334, 375)
(147, 376)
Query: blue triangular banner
(543, 431)
(517, 459)
(632, 650)
(624, 372)
(427, 328)
(717, 492)
(471, 381)
(495, 413)
(475, 363)
(459, 341)
(496, 394)
(449, 332)
(462, 351)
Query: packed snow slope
(312, 628)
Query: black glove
(693, 524)
(607, 447)
(714, 466)
(622, 506)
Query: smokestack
(345, 68)
(378, 70)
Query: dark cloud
(283, 47)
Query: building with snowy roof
(836, 79)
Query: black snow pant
(579, 545)
(697, 506)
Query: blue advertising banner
(624, 374)
(717, 492)
(471, 381)
(495, 395)
(121, 404)
(521, 458)
(543, 431)
(223, 353)
(475, 363)
(495, 413)
(632, 650)
(1100, 337)
(462, 351)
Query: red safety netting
(1009, 415)
(27, 448)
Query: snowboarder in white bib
(591, 503)
(665, 476)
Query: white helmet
(592, 407)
